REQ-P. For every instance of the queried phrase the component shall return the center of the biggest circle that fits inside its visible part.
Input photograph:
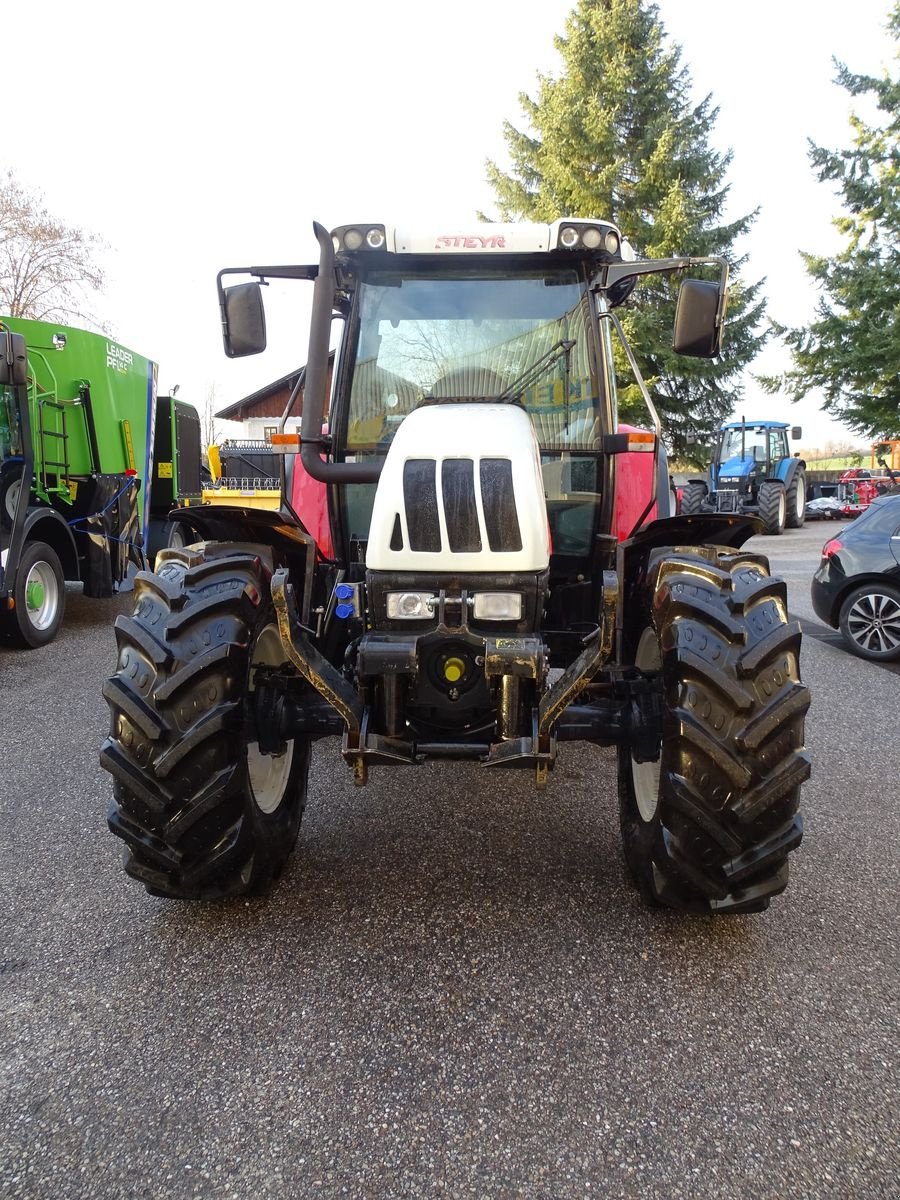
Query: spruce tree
(615, 135)
(851, 351)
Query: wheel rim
(645, 775)
(873, 622)
(782, 509)
(177, 538)
(268, 773)
(800, 501)
(41, 596)
(11, 498)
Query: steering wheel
(468, 383)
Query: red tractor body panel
(309, 500)
(634, 487)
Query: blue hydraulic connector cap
(348, 601)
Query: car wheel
(870, 622)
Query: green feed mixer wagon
(80, 493)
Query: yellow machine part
(270, 499)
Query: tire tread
(181, 803)
(732, 737)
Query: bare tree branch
(47, 268)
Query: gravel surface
(453, 991)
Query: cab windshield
(527, 337)
(748, 442)
(524, 337)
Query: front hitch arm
(579, 674)
(318, 671)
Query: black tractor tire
(707, 825)
(693, 499)
(203, 813)
(39, 593)
(773, 506)
(795, 500)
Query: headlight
(351, 238)
(574, 235)
(410, 606)
(497, 606)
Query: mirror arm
(666, 266)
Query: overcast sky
(193, 136)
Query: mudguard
(704, 529)
(787, 468)
(42, 525)
(234, 523)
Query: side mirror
(13, 359)
(696, 333)
(243, 320)
(796, 433)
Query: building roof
(236, 411)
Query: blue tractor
(753, 471)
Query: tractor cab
(430, 338)
(479, 392)
(471, 340)
(11, 458)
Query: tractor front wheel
(693, 498)
(203, 812)
(772, 506)
(39, 594)
(709, 820)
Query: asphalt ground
(454, 990)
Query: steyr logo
(470, 241)
(117, 358)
